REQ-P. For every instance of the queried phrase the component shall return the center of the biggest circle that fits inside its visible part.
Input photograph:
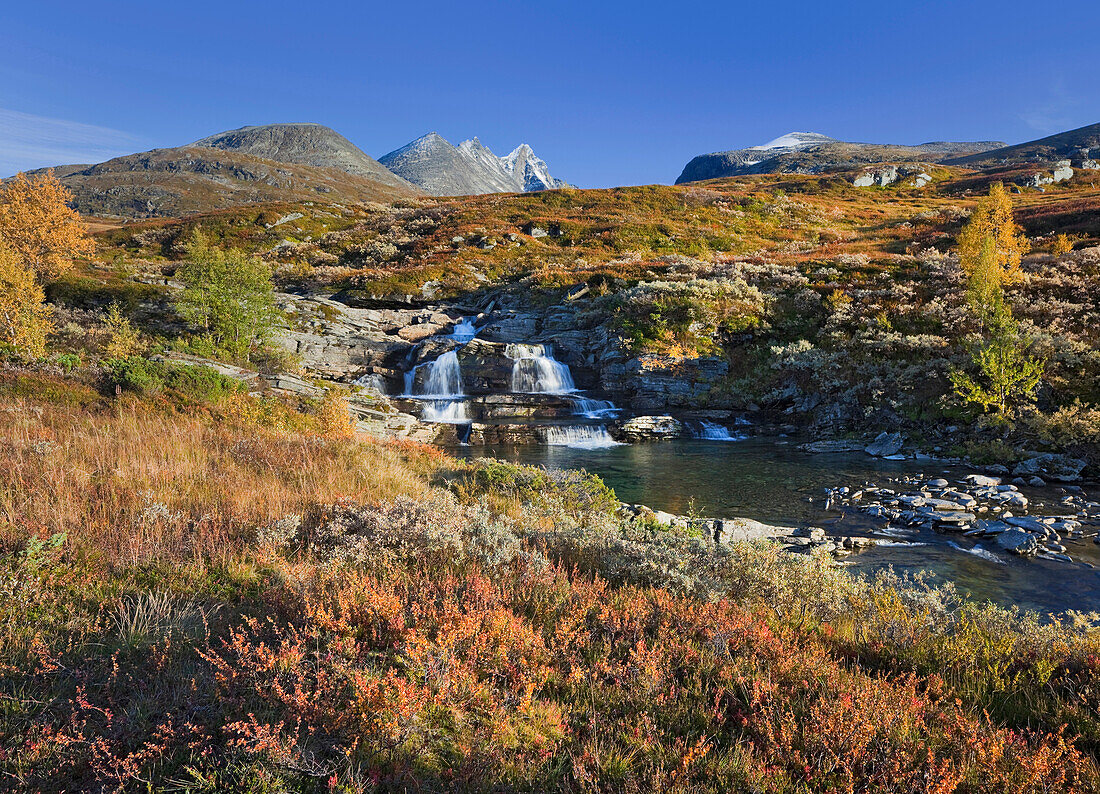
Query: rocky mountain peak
(439, 167)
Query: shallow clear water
(771, 481)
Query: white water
(463, 331)
(977, 551)
(536, 371)
(580, 437)
(448, 412)
(593, 409)
(443, 381)
(709, 431)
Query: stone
(815, 534)
(982, 480)
(1061, 468)
(939, 482)
(1062, 171)
(1017, 541)
(1037, 482)
(420, 331)
(648, 428)
(885, 444)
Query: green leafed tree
(1007, 375)
(229, 295)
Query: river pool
(770, 480)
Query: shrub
(195, 384)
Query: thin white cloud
(28, 141)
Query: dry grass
(137, 483)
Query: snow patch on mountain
(796, 140)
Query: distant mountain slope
(304, 144)
(436, 165)
(811, 153)
(1076, 145)
(190, 179)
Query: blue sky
(609, 93)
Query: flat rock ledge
(803, 540)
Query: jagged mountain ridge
(811, 153)
(304, 144)
(439, 167)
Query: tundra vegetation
(206, 589)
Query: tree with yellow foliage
(37, 223)
(24, 316)
(992, 218)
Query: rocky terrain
(443, 169)
(813, 153)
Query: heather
(223, 599)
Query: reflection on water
(771, 481)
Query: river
(769, 480)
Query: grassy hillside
(855, 299)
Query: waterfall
(442, 388)
(463, 330)
(580, 437)
(536, 371)
(448, 412)
(443, 381)
(710, 431)
(593, 409)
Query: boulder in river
(1018, 541)
(885, 444)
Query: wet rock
(1017, 541)
(885, 444)
(982, 480)
(648, 428)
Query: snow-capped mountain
(443, 169)
(813, 153)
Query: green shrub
(195, 384)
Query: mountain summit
(304, 144)
(436, 165)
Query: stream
(769, 480)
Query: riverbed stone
(648, 428)
(1018, 541)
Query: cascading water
(447, 412)
(442, 387)
(580, 437)
(536, 371)
(594, 409)
(710, 431)
(463, 330)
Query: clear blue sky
(609, 93)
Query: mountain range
(439, 167)
(290, 162)
(812, 153)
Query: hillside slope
(1079, 145)
(304, 144)
(190, 179)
